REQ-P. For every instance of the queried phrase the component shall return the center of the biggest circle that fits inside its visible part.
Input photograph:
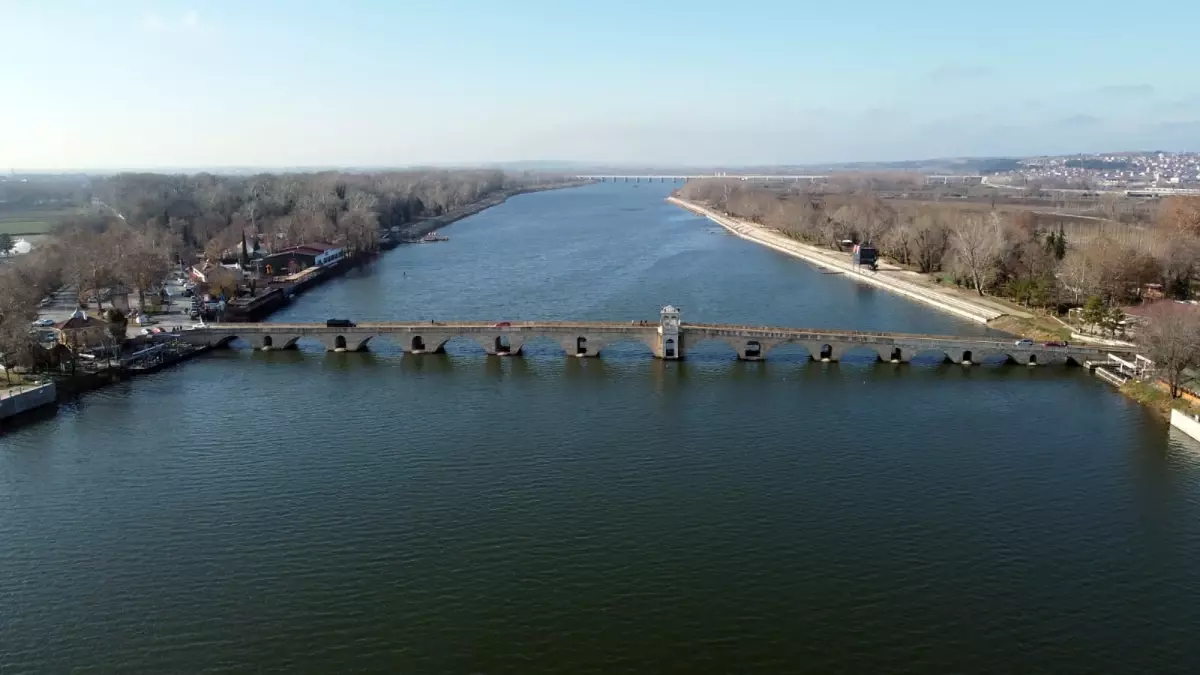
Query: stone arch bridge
(589, 339)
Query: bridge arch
(625, 344)
(705, 346)
(928, 355)
(991, 357)
(860, 353)
(470, 344)
(787, 350)
(260, 341)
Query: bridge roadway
(588, 338)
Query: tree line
(210, 213)
(1009, 253)
(135, 225)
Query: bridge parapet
(589, 338)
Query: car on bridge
(502, 324)
(1056, 343)
(340, 323)
(1024, 342)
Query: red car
(502, 324)
(1055, 344)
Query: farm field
(31, 221)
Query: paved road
(63, 304)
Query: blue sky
(270, 83)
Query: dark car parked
(340, 323)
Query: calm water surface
(311, 512)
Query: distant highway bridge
(667, 338)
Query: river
(310, 512)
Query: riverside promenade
(888, 277)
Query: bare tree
(1181, 214)
(144, 265)
(87, 262)
(977, 243)
(872, 218)
(928, 240)
(1178, 254)
(18, 304)
(1171, 339)
(1079, 276)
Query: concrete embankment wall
(810, 254)
(20, 402)
(1186, 424)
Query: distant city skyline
(160, 84)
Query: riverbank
(1156, 397)
(424, 226)
(279, 296)
(24, 401)
(144, 361)
(889, 277)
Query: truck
(865, 254)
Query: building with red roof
(297, 258)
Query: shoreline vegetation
(1030, 266)
(889, 277)
(425, 226)
(1004, 268)
(136, 228)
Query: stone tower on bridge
(669, 345)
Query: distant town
(1170, 171)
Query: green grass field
(31, 222)
(17, 227)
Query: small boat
(432, 237)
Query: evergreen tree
(1094, 312)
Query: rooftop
(79, 319)
(307, 248)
